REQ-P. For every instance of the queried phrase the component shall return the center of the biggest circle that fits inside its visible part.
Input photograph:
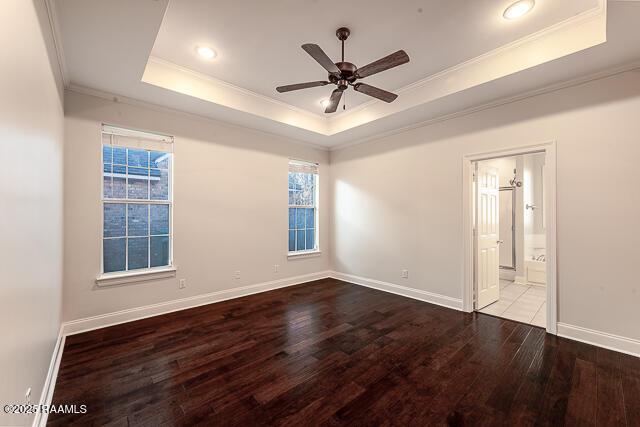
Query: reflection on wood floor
(330, 352)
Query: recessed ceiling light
(518, 9)
(206, 52)
(324, 103)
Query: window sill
(305, 254)
(111, 279)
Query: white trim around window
(133, 276)
(304, 254)
(136, 140)
(305, 203)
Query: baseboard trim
(520, 280)
(506, 274)
(40, 419)
(430, 297)
(538, 285)
(138, 313)
(130, 315)
(600, 339)
(589, 336)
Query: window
(136, 200)
(303, 207)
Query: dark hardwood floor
(333, 353)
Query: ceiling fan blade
(397, 58)
(334, 101)
(299, 86)
(318, 54)
(375, 92)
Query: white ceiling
(258, 42)
(111, 46)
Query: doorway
(509, 214)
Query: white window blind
(299, 166)
(121, 137)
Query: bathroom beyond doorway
(508, 216)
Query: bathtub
(535, 272)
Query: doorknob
(499, 242)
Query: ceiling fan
(344, 74)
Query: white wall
(399, 199)
(230, 212)
(31, 142)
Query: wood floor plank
(610, 401)
(333, 353)
(631, 388)
(528, 399)
(582, 403)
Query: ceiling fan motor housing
(347, 74)
(347, 69)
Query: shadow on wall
(352, 229)
(577, 97)
(184, 126)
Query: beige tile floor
(522, 303)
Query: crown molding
(572, 35)
(57, 41)
(221, 83)
(362, 114)
(597, 10)
(170, 76)
(579, 32)
(632, 66)
(160, 108)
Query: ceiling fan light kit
(344, 74)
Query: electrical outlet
(276, 268)
(27, 396)
(182, 284)
(405, 274)
(237, 274)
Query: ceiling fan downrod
(343, 34)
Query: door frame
(550, 172)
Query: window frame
(316, 250)
(139, 274)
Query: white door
(487, 226)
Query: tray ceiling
(463, 54)
(258, 42)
